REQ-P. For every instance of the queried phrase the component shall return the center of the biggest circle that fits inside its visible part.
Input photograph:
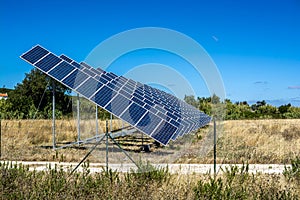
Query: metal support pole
(111, 128)
(116, 143)
(78, 118)
(215, 148)
(110, 122)
(85, 157)
(97, 132)
(106, 145)
(53, 115)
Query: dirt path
(173, 168)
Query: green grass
(18, 182)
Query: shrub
(293, 173)
(238, 183)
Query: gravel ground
(173, 168)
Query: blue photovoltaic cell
(89, 87)
(35, 54)
(127, 89)
(147, 107)
(177, 115)
(139, 91)
(110, 75)
(164, 132)
(158, 107)
(103, 96)
(101, 79)
(182, 128)
(163, 116)
(168, 109)
(89, 72)
(132, 82)
(106, 77)
(95, 71)
(154, 112)
(69, 60)
(85, 65)
(133, 114)
(113, 86)
(140, 97)
(61, 70)
(123, 79)
(75, 79)
(136, 100)
(148, 123)
(176, 124)
(100, 70)
(77, 65)
(149, 102)
(48, 62)
(118, 105)
(171, 115)
(120, 81)
(126, 94)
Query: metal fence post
(215, 147)
(53, 115)
(97, 132)
(106, 132)
(78, 119)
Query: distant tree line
(32, 99)
(242, 110)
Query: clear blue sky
(255, 44)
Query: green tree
(35, 92)
(5, 108)
(292, 113)
(267, 111)
(204, 104)
(4, 90)
(191, 100)
(284, 108)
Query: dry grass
(255, 141)
(23, 139)
(263, 141)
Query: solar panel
(89, 87)
(103, 96)
(65, 58)
(61, 70)
(75, 79)
(48, 62)
(118, 104)
(154, 112)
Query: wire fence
(254, 141)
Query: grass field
(17, 182)
(254, 141)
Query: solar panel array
(154, 112)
